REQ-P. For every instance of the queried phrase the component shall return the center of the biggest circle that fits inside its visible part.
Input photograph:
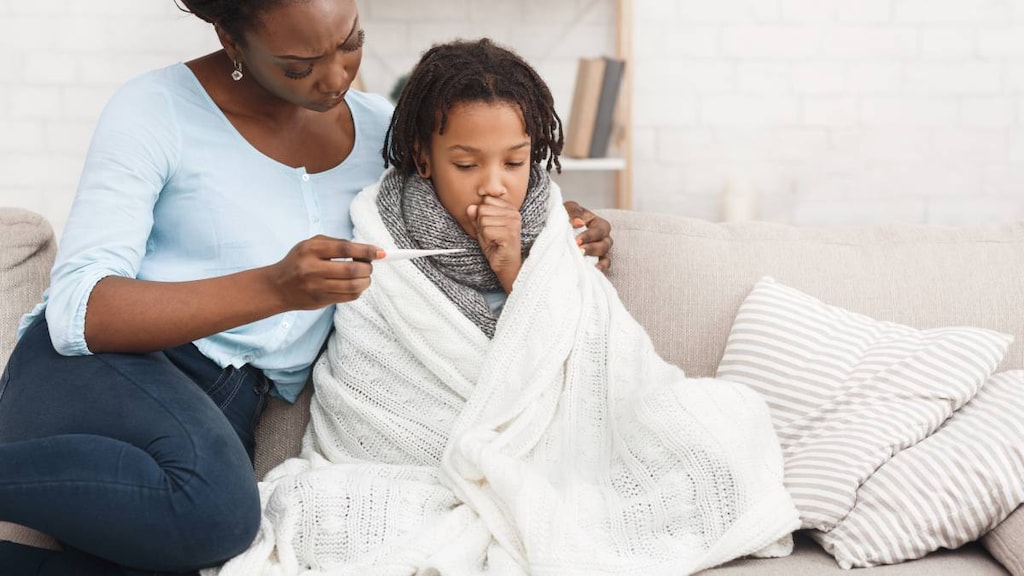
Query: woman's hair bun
(234, 16)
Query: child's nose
(492, 185)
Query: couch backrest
(27, 248)
(684, 279)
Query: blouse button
(305, 177)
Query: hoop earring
(237, 74)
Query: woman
(196, 275)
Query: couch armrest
(27, 249)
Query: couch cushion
(808, 559)
(1006, 543)
(279, 434)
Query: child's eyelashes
(466, 167)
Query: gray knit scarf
(415, 218)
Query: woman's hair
(236, 17)
(470, 71)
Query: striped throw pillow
(847, 392)
(947, 490)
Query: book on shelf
(592, 117)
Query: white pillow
(847, 392)
(946, 491)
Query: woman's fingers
(347, 289)
(598, 229)
(596, 240)
(600, 248)
(575, 212)
(342, 270)
(338, 248)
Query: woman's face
(306, 52)
(484, 151)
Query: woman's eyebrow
(355, 27)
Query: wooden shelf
(624, 48)
(592, 164)
(622, 135)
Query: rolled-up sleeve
(132, 155)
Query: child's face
(484, 151)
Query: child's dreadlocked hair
(470, 71)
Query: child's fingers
(499, 201)
(471, 212)
(491, 209)
(493, 223)
(496, 220)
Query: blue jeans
(137, 463)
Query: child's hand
(499, 228)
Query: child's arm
(499, 231)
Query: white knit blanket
(563, 446)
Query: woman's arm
(95, 303)
(128, 315)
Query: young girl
(496, 409)
(470, 133)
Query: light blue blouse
(171, 191)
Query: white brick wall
(831, 111)
(63, 60)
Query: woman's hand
(322, 271)
(597, 239)
(499, 228)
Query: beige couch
(683, 279)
